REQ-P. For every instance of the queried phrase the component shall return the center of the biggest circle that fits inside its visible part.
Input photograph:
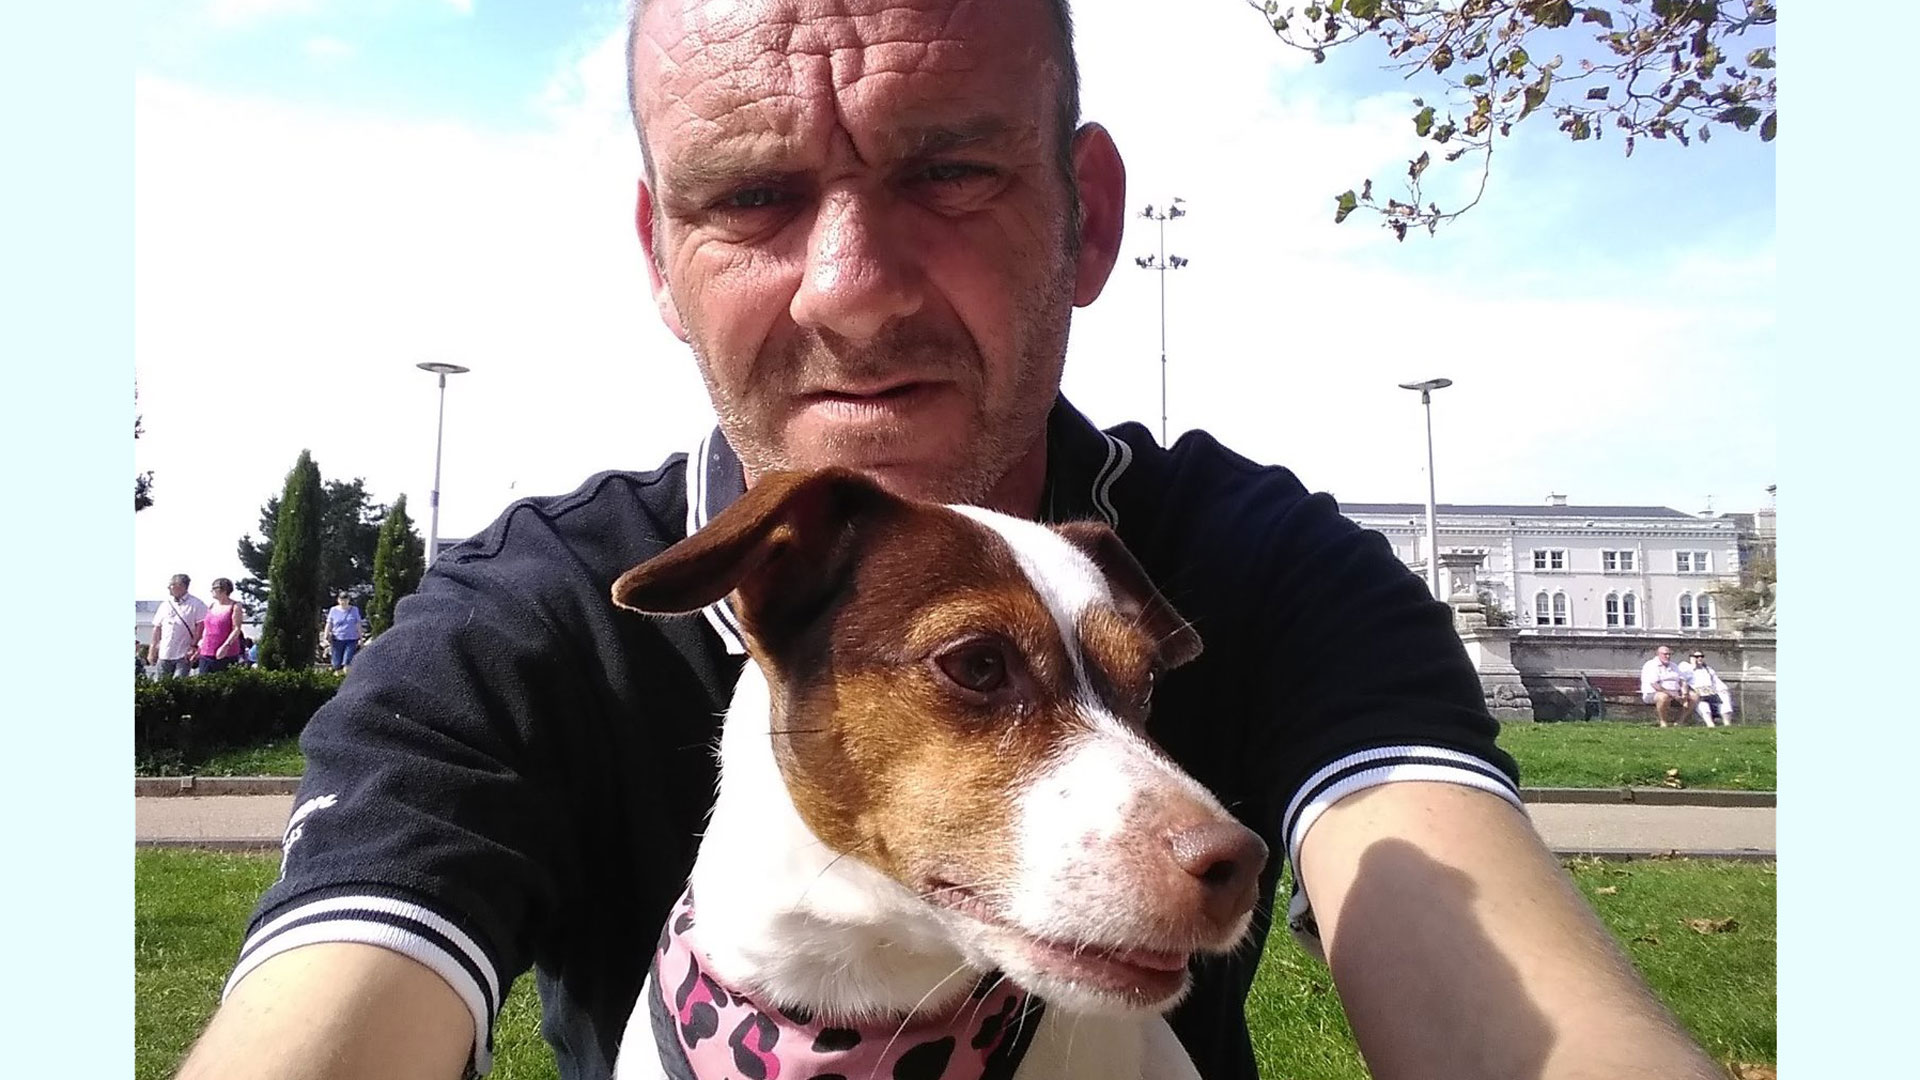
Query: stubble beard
(1002, 427)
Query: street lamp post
(440, 428)
(1426, 389)
(1162, 263)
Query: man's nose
(860, 273)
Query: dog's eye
(979, 667)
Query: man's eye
(753, 199)
(948, 172)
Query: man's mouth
(875, 393)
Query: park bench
(1601, 690)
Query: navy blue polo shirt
(517, 773)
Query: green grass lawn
(1584, 754)
(1600, 753)
(278, 758)
(190, 908)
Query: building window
(1618, 562)
(1703, 612)
(1549, 558)
(1550, 610)
(1686, 611)
(1623, 610)
(1691, 562)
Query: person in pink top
(220, 635)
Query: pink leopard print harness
(705, 1031)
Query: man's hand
(336, 1009)
(1461, 948)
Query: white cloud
(237, 12)
(327, 50)
(292, 267)
(293, 264)
(229, 13)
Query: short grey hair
(1066, 99)
(181, 580)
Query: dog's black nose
(1226, 859)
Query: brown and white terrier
(935, 784)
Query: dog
(942, 844)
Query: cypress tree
(399, 559)
(293, 631)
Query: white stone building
(1601, 570)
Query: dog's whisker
(908, 1019)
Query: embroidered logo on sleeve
(296, 826)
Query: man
(343, 631)
(1663, 685)
(1713, 702)
(870, 221)
(176, 630)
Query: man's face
(863, 230)
(1665, 654)
(176, 589)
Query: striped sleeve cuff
(406, 928)
(1357, 772)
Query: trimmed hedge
(179, 723)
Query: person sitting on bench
(1715, 704)
(1664, 685)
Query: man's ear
(782, 549)
(645, 214)
(1176, 638)
(1101, 178)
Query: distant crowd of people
(193, 637)
(1689, 687)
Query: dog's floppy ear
(783, 544)
(1178, 641)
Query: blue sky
(328, 192)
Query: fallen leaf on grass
(1672, 779)
(1606, 890)
(1743, 1071)
(1647, 939)
(1713, 926)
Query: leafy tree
(142, 482)
(292, 631)
(1664, 69)
(399, 560)
(1751, 600)
(349, 532)
(1495, 613)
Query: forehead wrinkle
(830, 61)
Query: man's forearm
(1462, 950)
(336, 1010)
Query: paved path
(256, 821)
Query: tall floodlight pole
(440, 428)
(1163, 262)
(1433, 538)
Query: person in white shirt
(176, 630)
(1664, 686)
(344, 627)
(1713, 702)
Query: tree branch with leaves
(1666, 70)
